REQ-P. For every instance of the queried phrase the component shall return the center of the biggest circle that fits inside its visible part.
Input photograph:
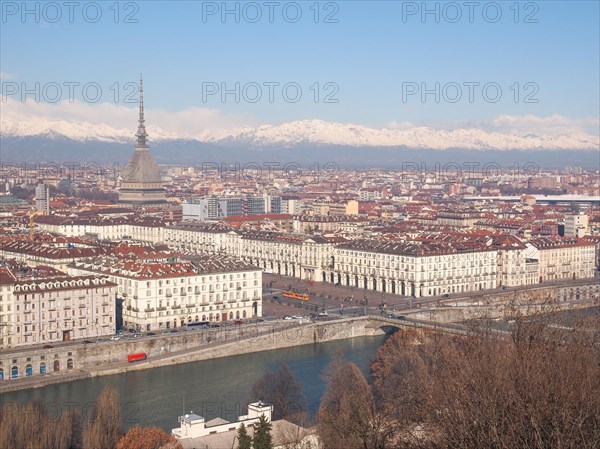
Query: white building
(576, 225)
(105, 228)
(42, 199)
(162, 294)
(195, 432)
(57, 309)
(300, 256)
(195, 426)
(512, 261)
(560, 259)
(414, 268)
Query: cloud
(7, 76)
(208, 124)
(519, 125)
(199, 123)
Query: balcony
(82, 306)
(150, 309)
(176, 307)
(160, 309)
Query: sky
(480, 64)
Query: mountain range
(41, 139)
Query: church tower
(141, 183)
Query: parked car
(87, 342)
(288, 317)
(174, 331)
(150, 334)
(238, 322)
(48, 346)
(115, 338)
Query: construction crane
(32, 214)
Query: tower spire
(141, 132)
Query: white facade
(576, 225)
(42, 199)
(195, 426)
(405, 268)
(61, 309)
(297, 256)
(163, 295)
(108, 229)
(562, 259)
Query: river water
(210, 388)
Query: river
(210, 388)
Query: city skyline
(378, 65)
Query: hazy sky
(363, 54)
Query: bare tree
(34, 426)
(281, 389)
(347, 416)
(538, 388)
(104, 427)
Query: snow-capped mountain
(79, 131)
(312, 132)
(326, 133)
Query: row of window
(43, 369)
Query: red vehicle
(137, 357)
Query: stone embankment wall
(506, 304)
(105, 358)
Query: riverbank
(210, 388)
(209, 345)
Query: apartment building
(560, 259)
(47, 310)
(414, 268)
(162, 294)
